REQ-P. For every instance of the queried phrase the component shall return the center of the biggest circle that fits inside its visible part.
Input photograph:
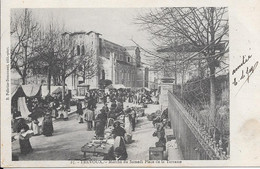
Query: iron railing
(191, 133)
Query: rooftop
(80, 32)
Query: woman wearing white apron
(35, 127)
(128, 126)
(65, 114)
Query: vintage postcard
(130, 83)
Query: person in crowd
(130, 97)
(92, 102)
(95, 101)
(89, 117)
(47, 125)
(103, 114)
(15, 113)
(113, 105)
(104, 98)
(18, 122)
(112, 97)
(118, 108)
(56, 106)
(135, 98)
(112, 113)
(118, 154)
(53, 109)
(156, 120)
(65, 112)
(118, 130)
(120, 148)
(139, 97)
(24, 139)
(67, 101)
(79, 112)
(100, 122)
(120, 98)
(160, 133)
(128, 121)
(133, 117)
(164, 115)
(105, 107)
(35, 126)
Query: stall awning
(54, 90)
(31, 90)
(26, 90)
(116, 86)
(14, 89)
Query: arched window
(82, 50)
(78, 50)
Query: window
(103, 74)
(78, 50)
(128, 59)
(73, 51)
(83, 50)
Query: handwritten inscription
(244, 60)
(243, 72)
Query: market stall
(22, 92)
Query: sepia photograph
(102, 84)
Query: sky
(115, 24)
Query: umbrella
(110, 87)
(119, 86)
(56, 91)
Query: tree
(71, 61)
(24, 42)
(47, 52)
(90, 65)
(201, 28)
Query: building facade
(113, 62)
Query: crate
(155, 153)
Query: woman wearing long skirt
(47, 126)
(80, 112)
(100, 121)
(89, 117)
(24, 141)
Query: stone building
(114, 62)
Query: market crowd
(112, 114)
